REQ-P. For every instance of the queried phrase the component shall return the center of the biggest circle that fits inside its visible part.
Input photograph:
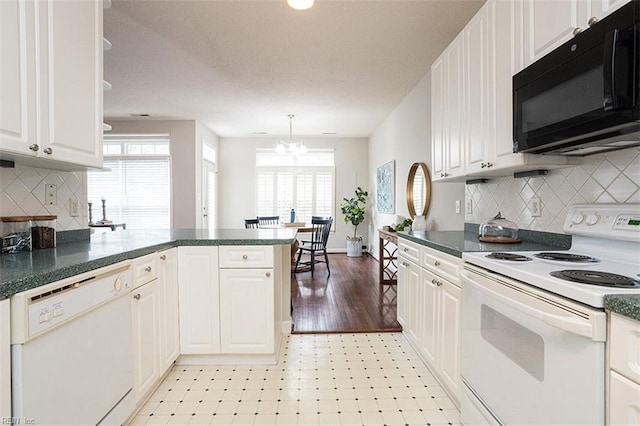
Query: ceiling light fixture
(300, 4)
(290, 147)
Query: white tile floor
(320, 379)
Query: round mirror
(418, 190)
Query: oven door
(529, 357)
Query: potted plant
(353, 211)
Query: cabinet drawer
(246, 257)
(441, 264)
(625, 347)
(409, 250)
(144, 269)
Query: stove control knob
(592, 219)
(577, 218)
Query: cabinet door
(17, 77)
(412, 303)
(449, 334)
(247, 311)
(169, 322)
(401, 288)
(71, 78)
(601, 8)
(624, 400)
(5, 361)
(438, 106)
(456, 98)
(146, 334)
(199, 300)
(429, 337)
(548, 24)
(477, 70)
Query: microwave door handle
(617, 61)
(570, 324)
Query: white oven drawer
(246, 256)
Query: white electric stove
(533, 325)
(604, 257)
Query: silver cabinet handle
(439, 283)
(592, 21)
(434, 281)
(48, 151)
(489, 164)
(245, 257)
(436, 263)
(406, 249)
(34, 147)
(136, 296)
(268, 274)
(163, 257)
(576, 31)
(148, 269)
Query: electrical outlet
(51, 194)
(468, 207)
(535, 207)
(74, 207)
(457, 206)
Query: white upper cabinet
(471, 89)
(549, 23)
(55, 46)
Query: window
(135, 183)
(304, 182)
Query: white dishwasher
(71, 350)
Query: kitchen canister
(43, 232)
(419, 223)
(15, 232)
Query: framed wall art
(385, 187)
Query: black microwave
(583, 97)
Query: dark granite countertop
(457, 242)
(23, 271)
(627, 305)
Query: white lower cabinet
(430, 296)
(5, 361)
(624, 371)
(146, 336)
(168, 298)
(199, 296)
(246, 311)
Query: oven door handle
(570, 324)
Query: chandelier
(290, 147)
(300, 4)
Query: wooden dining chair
(251, 223)
(317, 246)
(269, 220)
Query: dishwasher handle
(574, 325)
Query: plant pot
(354, 247)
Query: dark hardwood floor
(348, 300)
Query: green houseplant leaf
(353, 209)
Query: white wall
(236, 179)
(405, 136)
(185, 163)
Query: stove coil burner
(566, 257)
(604, 279)
(509, 256)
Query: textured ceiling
(240, 67)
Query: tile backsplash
(22, 193)
(603, 178)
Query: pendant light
(290, 147)
(300, 4)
